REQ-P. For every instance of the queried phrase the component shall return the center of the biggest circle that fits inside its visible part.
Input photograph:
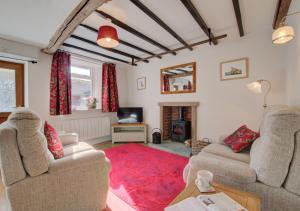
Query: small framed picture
(234, 69)
(141, 83)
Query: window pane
(80, 71)
(81, 89)
(7, 90)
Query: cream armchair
(34, 181)
(272, 167)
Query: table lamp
(256, 87)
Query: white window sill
(86, 109)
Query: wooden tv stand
(129, 132)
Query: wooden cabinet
(129, 132)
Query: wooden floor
(114, 202)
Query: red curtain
(60, 84)
(110, 99)
(166, 83)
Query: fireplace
(180, 130)
(178, 120)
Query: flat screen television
(130, 115)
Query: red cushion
(54, 143)
(241, 139)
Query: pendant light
(107, 36)
(283, 33)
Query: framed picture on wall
(141, 83)
(234, 69)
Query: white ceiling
(219, 16)
(33, 21)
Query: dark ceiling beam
(281, 11)
(132, 31)
(137, 48)
(96, 53)
(108, 49)
(238, 16)
(196, 15)
(182, 48)
(122, 41)
(169, 72)
(181, 70)
(160, 22)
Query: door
(11, 88)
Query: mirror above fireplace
(178, 79)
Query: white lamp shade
(255, 87)
(283, 35)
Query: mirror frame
(176, 67)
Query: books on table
(212, 202)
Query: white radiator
(88, 128)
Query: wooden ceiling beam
(196, 15)
(182, 48)
(96, 53)
(108, 49)
(122, 41)
(133, 31)
(181, 70)
(160, 22)
(81, 12)
(281, 11)
(238, 16)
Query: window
(11, 87)
(86, 80)
(82, 86)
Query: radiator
(88, 128)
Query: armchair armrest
(222, 138)
(78, 160)
(68, 138)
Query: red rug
(145, 178)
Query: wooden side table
(247, 200)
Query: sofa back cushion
(292, 182)
(11, 165)
(272, 153)
(32, 143)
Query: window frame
(95, 77)
(19, 69)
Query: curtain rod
(80, 56)
(24, 60)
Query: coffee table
(247, 200)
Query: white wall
(292, 58)
(224, 105)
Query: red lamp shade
(107, 37)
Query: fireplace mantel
(179, 104)
(193, 105)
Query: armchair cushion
(31, 142)
(272, 153)
(76, 160)
(68, 138)
(54, 144)
(223, 150)
(11, 165)
(76, 148)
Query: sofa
(270, 169)
(35, 181)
